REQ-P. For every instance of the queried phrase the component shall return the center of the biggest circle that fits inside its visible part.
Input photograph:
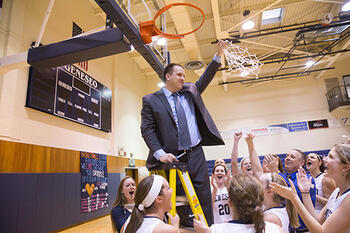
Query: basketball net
(240, 59)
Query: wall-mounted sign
(297, 126)
(318, 124)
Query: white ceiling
(224, 16)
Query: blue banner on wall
(297, 126)
(94, 181)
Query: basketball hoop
(149, 29)
(240, 59)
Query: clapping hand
(286, 192)
(213, 182)
(304, 183)
(272, 162)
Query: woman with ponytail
(152, 201)
(246, 196)
(277, 209)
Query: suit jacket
(158, 126)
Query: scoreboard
(70, 93)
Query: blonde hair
(247, 196)
(292, 212)
(343, 152)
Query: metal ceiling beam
(130, 30)
(277, 77)
(306, 26)
(216, 14)
(347, 44)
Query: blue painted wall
(45, 202)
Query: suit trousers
(198, 171)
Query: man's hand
(221, 47)
(168, 158)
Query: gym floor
(99, 225)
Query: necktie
(184, 135)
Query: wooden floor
(100, 225)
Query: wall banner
(94, 181)
(318, 124)
(278, 129)
(297, 126)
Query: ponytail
(247, 196)
(291, 211)
(292, 214)
(148, 189)
(258, 219)
(136, 219)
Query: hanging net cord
(240, 59)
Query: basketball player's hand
(237, 135)
(168, 158)
(200, 226)
(174, 221)
(271, 161)
(304, 183)
(249, 138)
(221, 47)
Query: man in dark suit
(175, 122)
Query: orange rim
(175, 36)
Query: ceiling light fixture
(346, 6)
(309, 63)
(247, 25)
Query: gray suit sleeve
(207, 76)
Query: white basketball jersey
(319, 191)
(334, 203)
(243, 228)
(281, 213)
(221, 209)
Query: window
(272, 16)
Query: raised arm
(234, 154)
(337, 222)
(212, 68)
(254, 157)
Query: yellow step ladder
(181, 170)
